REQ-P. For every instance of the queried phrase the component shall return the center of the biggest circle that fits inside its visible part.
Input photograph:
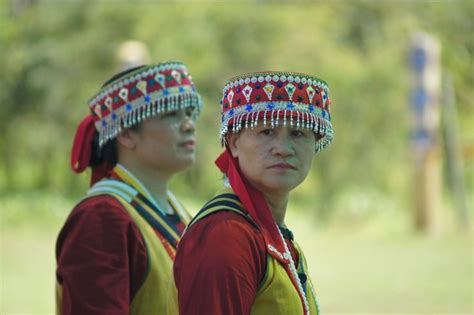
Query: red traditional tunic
(220, 264)
(102, 259)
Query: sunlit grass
(372, 272)
(381, 267)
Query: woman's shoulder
(224, 230)
(228, 222)
(99, 205)
(223, 242)
(97, 214)
(100, 220)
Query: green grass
(380, 268)
(27, 272)
(388, 269)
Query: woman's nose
(283, 145)
(188, 124)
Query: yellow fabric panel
(152, 295)
(277, 294)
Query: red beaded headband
(141, 94)
(277, 98)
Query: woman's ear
(233, 143)
(127, 138)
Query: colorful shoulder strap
(223, 202)
(156, 218)
(179, 208)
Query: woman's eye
(297, 133)
(189, 111)
(267, 131)
(170, 114)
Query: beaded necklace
(300, 278)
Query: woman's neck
(277, 204)
(156, 184)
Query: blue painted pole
(425, 138)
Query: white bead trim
(305, 119)
(140, 110)
(294, 273)
(276, 78)
(116, 85)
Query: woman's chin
(183, 163)
(278, 187)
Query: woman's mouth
(189, 144)
(283, 166)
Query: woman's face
(274, 160)
(166, 143)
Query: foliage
(57, 54)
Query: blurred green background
(354, 216)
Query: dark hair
(108, 152)
(121, 74)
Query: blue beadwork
(270, 106)
(181, 89)
(166, 92)
(147, 98)
(311, 108)
(104, 123)
(290, 105)
(114, 116)
(128, 107)
(248, 108)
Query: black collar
(287, 234)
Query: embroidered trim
(281, 114)
(141, 94)
(275, 77)
(279, 98)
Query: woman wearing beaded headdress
(115, 251)
(237, 255)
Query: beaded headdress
(140, 94)
(277, 98)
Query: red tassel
(82, 149)
(82, 145)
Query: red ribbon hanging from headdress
(82, 149)
(252, 199)
(256, 205)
